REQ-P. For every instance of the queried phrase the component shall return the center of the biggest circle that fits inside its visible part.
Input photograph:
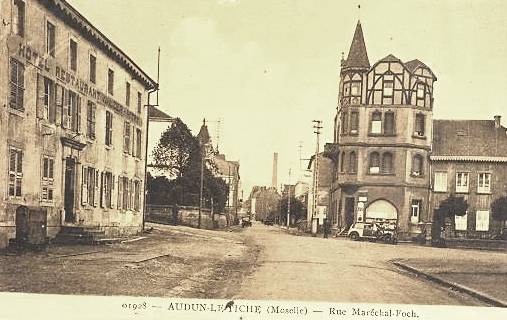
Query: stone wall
(188, 216)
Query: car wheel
(354, 236)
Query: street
(260, 262)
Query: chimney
(274, 179)
(497, 121)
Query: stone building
(73, 121)
(383, 133)
(316, 213)
(469, 160)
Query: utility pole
(202, 151)
(317, 125)
(288, 202)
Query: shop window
(440, 182)
(47, 174)
(90, 120)
(19, 17)
(460, 222)
(415, 213)
(73, 55)
(376, 123)
(126, 137)
(462, 182)
(93, 68)
(17, 85)
(127, 94)
(417, 165)
(484, 183)
(389, 123)
(50, 39)
(352, 162)
(419, 124)
(110, 82)
(15, 172)
(387, 163)
(354, 122)
(482, 220)
(139, 143)
(109, 128)
(139, 102)
(374, 163)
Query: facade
(264, 203)
(469, 160)
(229, 172)
(383, 131)
(73, 121)
(316, 213)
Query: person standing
(175, 211)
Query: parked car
(245, 222)
(269, 221)
(361, 230)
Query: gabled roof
(412, 66)
(390, 58)
(358, 57)
(469, 138)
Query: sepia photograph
(247, 153)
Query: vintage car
(361, 230)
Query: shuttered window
(139, 143)
(17, 83)
(126, 137)
(47, 178)
(139, 102)
(15, 172)
(109, 128)
(90, 120)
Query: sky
(267, 68)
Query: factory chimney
(274, 179)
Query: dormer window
(388, 85)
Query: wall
(188, 216)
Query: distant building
(319, 211)
(73, 122)
(264, 203)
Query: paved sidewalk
(486, 280)
(170, 261)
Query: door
(349, 212)
(69, 191)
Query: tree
(448, 209)
(297, 209)
(175, 148)
(499, 211)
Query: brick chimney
(497, 121)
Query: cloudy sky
(266, 68)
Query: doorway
(69, 190)
(349, 212)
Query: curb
(458, 287)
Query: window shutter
(58, 104)
(97, 190)
(84, 186)
(78, 114)
(112, 192)
(120, 192)
(40, 97)
(52, 103)
(65, 108)
(102, 190)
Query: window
(387, 162)
(137, 195)
(419, 124)
(74, 110)
(90, 120)
(388, 85)
(19, 18)
(355, 88)
(93, 69)
(50, 39)
(73, 55)
(354, 122)
(460, 223)
(47, 96)
(17, 85)
(139, 143)
(484, 183)
(47, 178)
(110, 81)
(126, 137)
(127, 94)
(139, 102)
(15, 172)
(107, 189)
(482, 220)
(420, 91)
(417, 165)
(415, 211)
(90, 186)
(374, 163)
(462, 182)
(389, 123)
(109, 128)
(123, 193)
(352, 162)
(376, 123)
(345, 119)
(342, 163)
(440, 183)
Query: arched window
(417, 165)
(342, 163)
(352, 162)
(387, 162)
(374, 162)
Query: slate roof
(413, 64)
(358, 57)
(390, 58)
(472, 138)
(155, 114)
